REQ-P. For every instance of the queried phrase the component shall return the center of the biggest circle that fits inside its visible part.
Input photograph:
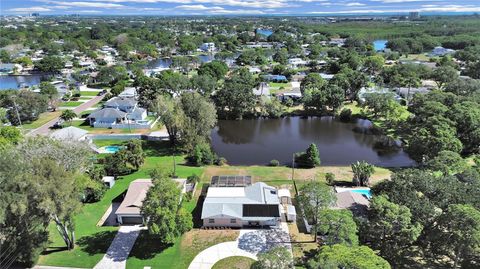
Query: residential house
(208, 47)
(238, 204)
(296, 62)
(70, 133)
(353, 201)
(120, 112)
(441, 51)
(129, 211)
(276, 78)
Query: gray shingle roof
(107, 113)
(69, 133)
(121, 102)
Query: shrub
(274, 163)
(346, 115)
(330, 178)
(193, 179)
(308, 159)
(202, 155)
(221, 161)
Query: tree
(136, 156)
(50, 91)
(373, 64)
(466, 116)
(50, 64)
(314, 197)
(457, 233)
(9, 135)
(448, 163)
(281, 56)
(112, 74)
(202, 155)
(390, 228)
(308, 159)
(338, 227)
(171, 115)
(203, 84)
(236, 99)
(214, 69)
(163, 212)
(116, 163)
(29, 106)
(68, 115)
(444, 75)
(199, 117)
(362, 171)
(275, 258)
(473, 69)
(345, 257)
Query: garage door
(132, 220)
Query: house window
(211, 220)
(233, 220)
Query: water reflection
(258, 141)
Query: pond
(14, 82)
(257, 141)
(380, 45)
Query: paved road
(44, 129)
(122, 244)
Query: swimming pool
(112, 149)
(365, 192)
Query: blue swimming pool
(112, 149)
(365, 192)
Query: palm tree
(68, 115)
(362, 172)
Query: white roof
(108, 179)
(217, 192)
(69, 133)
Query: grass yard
(85, 126)
(147, 252)
(279, 84)
(71, 104)
(89, 93)
(42, 119)
(108, 142)
(235, 262)
(93, 241)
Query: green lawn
(85, 126)
(235, 262)
(71, 104)
(93, 241)
(42, 119)
(89, 93)
(108, 142)
(279, 84)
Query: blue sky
(234, 7)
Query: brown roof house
(129, 210)
(354, 201)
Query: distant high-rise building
(414, 15)
(36, 14)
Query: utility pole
(16, 110)
(174, 162)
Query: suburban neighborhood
(215, 135)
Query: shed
(291, 213)
(108, 181)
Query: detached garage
(129, 210)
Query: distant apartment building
(208, 47)
(414, 15)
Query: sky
(234, 7)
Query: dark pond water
(14, 82)
(258, 141)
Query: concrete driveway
(122, 244)
(248, 244)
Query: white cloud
(354, 4)
(235, 3)
(30, 9)
(83, 4)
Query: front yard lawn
(71, 104)
(89, 93)
(235, 262)
(42, 119)
(93, 241)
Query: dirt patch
(198, 238)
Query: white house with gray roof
(253, 205)
(120, 112)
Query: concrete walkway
(117, 253)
